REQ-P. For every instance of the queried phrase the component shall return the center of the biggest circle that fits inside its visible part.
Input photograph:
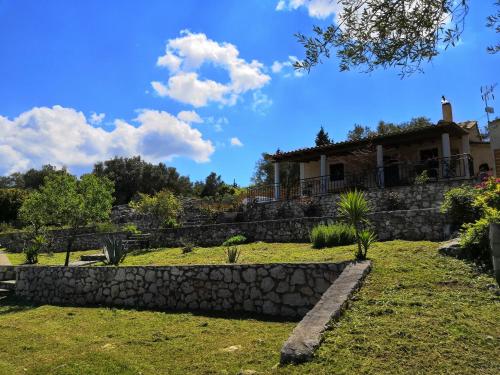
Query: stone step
(93, 257)
(8, 284)
(5, 292)
(82, 263)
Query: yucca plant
(353, 208)
(114, 250)
(366, 238)
(232, 254)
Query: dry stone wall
(274, 289)
(389, 199)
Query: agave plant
(353, 208)
(366, 238)
(114, 250)
(232, 254)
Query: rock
(249, 275)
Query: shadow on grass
(12, 304)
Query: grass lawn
(418, 313)
(45, 259)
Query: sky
(202, 85)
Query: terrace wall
(273, 289)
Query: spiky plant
(366, 238)
(232, 254)
(114, 250)
(354, 209)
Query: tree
(322, 138)
(383, 128)
(11, 201)
(64, 201)
(134, 175)
(389, 33)
(213, 185)
(31, 179)
(163, 208)
(493, 21)
(264, 171)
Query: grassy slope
(419, 312)
(45, 259)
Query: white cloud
(235, 142)
(63, 136)
(316, 8)
(185, 55)
(286, 67)
(96, 118)
(189, 117)
(218, 123)
(261, 102)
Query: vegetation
(264, 172)
(33, 249)
(383, 128)
(422, 178)
(131, 228)
(418, 312)
(367, 237)
(10, 203)
(64, 201)
(232, 254)
(32, 179)
(239, 239)
(337, 234)
(322, 138)
(353, 208)
(163, 208)
(187, 247)
(474, 236)
(114, 250)
(386, 33)
(458, 204)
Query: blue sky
(203, 86)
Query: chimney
(447, 113)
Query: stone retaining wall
(274, 289)
(395, 198)
(422, 224)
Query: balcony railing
(392, 174)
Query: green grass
(418, 313)
(46, 259)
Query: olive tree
(66, 202)
(163, 208)
(372, 34)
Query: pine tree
(322, 138)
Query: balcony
(456, 167)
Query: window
(337, 172)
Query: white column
(322, 172)
(466, 150)
(445, 140)
(277, 181)
(302, 167)
(380, 165)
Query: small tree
(162, 208)
(64, 201)
(353, 208)
(322, 138)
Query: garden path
(4, 261)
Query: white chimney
(447, 112)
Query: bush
(395, 201)
(474, 240)
(332, 235)
(235, 240)
(459, 204)
(232, 254)
(114, 250)
(422, 178)
(6, 227)
(187, 247)
(33, 249)
(131, 228)
(105, 227)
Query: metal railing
(392, 174)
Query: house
(445, 151)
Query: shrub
(232, 254)
(354, 209)
(171, 223)
(131, 228)
(332, 235)
(105, 227)
(366, 237)
(422, 178)
(474, 240)
(235, 240)
(459, 204)
(114, 250)
(187, 247)
(6, 227)
(33, 249)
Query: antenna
(486, 95)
